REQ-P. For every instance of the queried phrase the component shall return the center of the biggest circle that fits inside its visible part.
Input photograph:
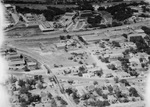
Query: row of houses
(18, 61)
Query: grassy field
(61, 58)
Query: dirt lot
(61, 58)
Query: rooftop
(139, 31)
(94, 37)
(137, 34)
(46, 25)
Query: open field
(61, 58)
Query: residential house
(122, 74)
(88, 75)
(127, 45)
(16, 63)
(117, 63)
(114, 55)
(14, 56)
(32, 65)
(60, 45)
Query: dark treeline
(55, 1)
(24, 2)
(49, 13)
(119, 12)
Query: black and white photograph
(75, 53)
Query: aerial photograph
(76, 53)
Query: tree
(21, 56)
(143, 65)
(99, 72)
(75, 96)
(62, 37)
(85, 97)
(36, 77)
(23, 90)
(125, 82)
(134, 73)
(53, 103)
(92, 103)
(99, 91)
(26, 68)
(141, 59)
(106, 103)
(40, 85)
(35, 98)
(104, 96)
(99, 103)
(37, 66)
(116, 79)
(58, 98)
(69, 91)
(21, 83)
(82, 69)
(76, 101)
(41, 79)
(110, 88)
(80, 74)
(50, 95)
(115, 44)
(63, 102)
(133, 92)
(68, 37)
(95, 83)
(31, 82)
(111, 66)
(13, 79)
(125, 35)
(106, 60)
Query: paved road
(56, 35)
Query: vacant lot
(61, 59)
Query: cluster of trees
(82, 70)
(64, 37)
(115, 44)
(106, 60)
(130, 50)
(133, 92)
(120, 12)
(54, 2)
(125, 66)
(146, 29)
(63, 102)
(28, 84)
(26, 98)
(94, 20)
(25, 1)
(99, 103)
(49, 13)
(112, 67)
(141, 44)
